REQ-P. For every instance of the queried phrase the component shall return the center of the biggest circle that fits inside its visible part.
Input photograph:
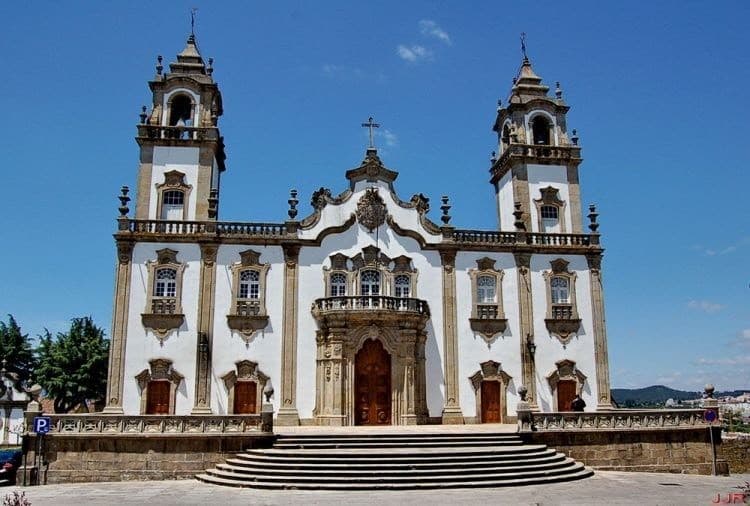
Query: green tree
(16, 350)
(73, 366)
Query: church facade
(365, 312)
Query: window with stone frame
(173, 195)
(247, 313)
(562, 318)
(163, 311)
(402, 286)
(338, 281)
(369, 283)
(550, 210)
(487, 314)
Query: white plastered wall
(542, 176)
(264, 347)
(505, 202)
(549, 349)
(169, 158)
(180, 346)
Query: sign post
(42, 425)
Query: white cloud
(413, 53)
(705, 305)
(734, 361)
(390, 138)
(431, 29)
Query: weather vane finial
(370, 124)
(192, 20)
(523, 46)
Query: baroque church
(365, 312)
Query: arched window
(249, 285)
(173, 205)
(338, 284)
(550, 219)
(540, 129)
(560, 290)
(402, 286)
(370, 283)
(181, 111)
(486, 292)
(166, 283)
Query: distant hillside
(658, 394)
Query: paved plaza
(605, 487)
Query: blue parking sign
(42, 424)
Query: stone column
(116, 371)
(288, 414)
(520, 183)
(574, 195)
(452, 409)
(526, 320)
(600, 331)
(421, 387)
(205, 327)
(410, 387)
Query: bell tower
(181, 148)
(537, 162)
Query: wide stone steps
(395, 461)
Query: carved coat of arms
(371, 210)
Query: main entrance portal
(372, 384)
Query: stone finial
(159, 66)
(445, 208)
(268, 391)
(522, 391)
(558, 91)
(593, 225)
(709, 391)
(493, 158)
(293, 201)
(124, 199)
(499, 105)
(210, 68)
(574, 139)
(143, 115)
(518, 215)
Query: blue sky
(658, 93)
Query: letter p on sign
(42, 424)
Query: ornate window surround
(338, 265)
(491, 371)
(175, 93)
(245, 370)
(550, 196)
(174, 180)
(247, 316)
(368, 260)
(561, 320)
(552, 123)
(164, 314)
(488, 320)
(159, 369)
(565, 370)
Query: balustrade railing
(370, 303)
(164, 306)
(187, 228)
(484, 236)
(489, 237)
(542, 151)
(239, 228)
(617, 419)
(99, 424)
(248, 308)
(487, 311)
(543, 239)
(562, 312)
(185, 133)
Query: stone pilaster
(330, 408)
(521, 193)
(574, 195)
(526, 321)
(452, 409)
(601, 355)
(116, 371)
(288, 414)
(205, 326)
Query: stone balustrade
(617, 419)
(197, 229)
(119, 425)
(371, 303)
(491, 238)
(177, 133)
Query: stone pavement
(605, 487)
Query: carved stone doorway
(372, 384)
(566, 392)
(491, 407)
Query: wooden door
(245, 396)
(157, 397)
(566, 392)
(372, 386)
(491, 402)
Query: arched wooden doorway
(372, 384)
(566, 392)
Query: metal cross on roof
(523, 45)
(371, 125)
(193, 11)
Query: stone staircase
(395, 461)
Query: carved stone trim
(247, 325)
(245, 370)
(169, 315)
(488, 328)
(550, 196)
(561, 320)
(487, 319)
(159, 369)
(248, 316)
(162, 324)
(491, 371)
(564, 370)
(173, 180)
(371, 211)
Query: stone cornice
(517, 154)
